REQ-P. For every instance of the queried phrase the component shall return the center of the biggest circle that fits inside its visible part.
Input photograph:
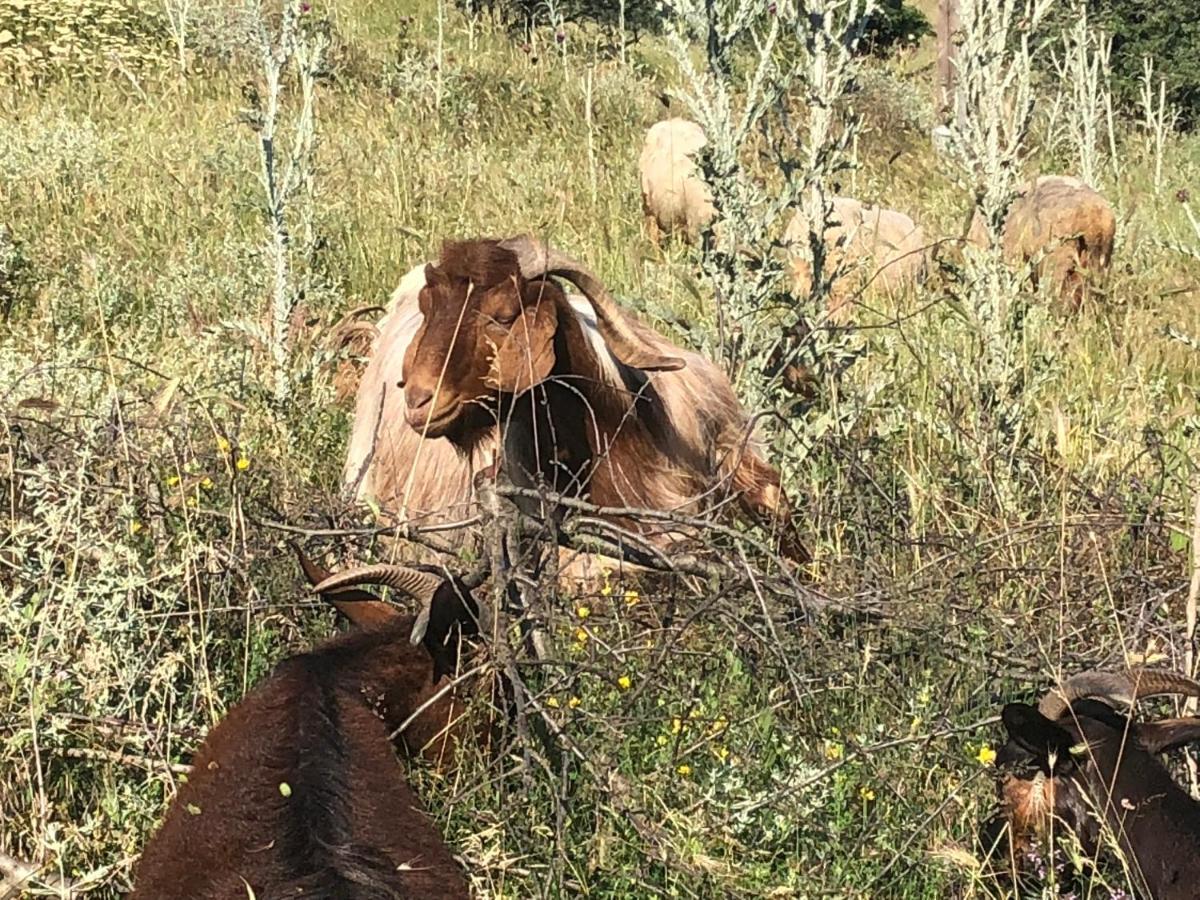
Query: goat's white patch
(586, 314)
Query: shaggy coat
(475, 342)
(297, 792)
(881, 249)
(1092, 770)
(1064, 227)
(674, 197)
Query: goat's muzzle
(430, 416)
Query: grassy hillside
(150, 472)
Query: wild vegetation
(995, 492)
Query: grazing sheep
(674, 197)
(592, 403)
(1076, 764)
(881, 248)
(297, 792)
(1063, 226)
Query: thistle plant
(993, 111)
(1159, 118)
(288, 174)
(1085, 73)
(791, 50)
(179, 15)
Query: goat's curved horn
(421, 586)
(1117, 686)
(536, 260)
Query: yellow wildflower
(676, 724)
(684, 769)
(720, 725)
(606, 590)
(661, 740)
(581, 635)
(722, 753)
(834, 750)
(552, 703)
(583, 610)
(206, 483)
(223, 444)
(866, 794)
(631, 597)
(624, 682)
(135, 526)
(574, 702)
(986, 755)
(172, 480)
(242, 464)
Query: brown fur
(489, 346)
(1065, 227)
(350, 826)
(1092, 767)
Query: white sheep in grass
(674, 197)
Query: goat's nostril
(417, 397)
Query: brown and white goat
(297, 792)
(484, 354)
(1075, 764)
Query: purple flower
(305, 7)
(560, 36)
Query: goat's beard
(473, 428)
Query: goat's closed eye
(505, 317)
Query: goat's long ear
(1049, 744)
(451, 614)
(362, 608)
(1169, 734)
(627, 339)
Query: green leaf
(1179, 541)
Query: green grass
(138, 600)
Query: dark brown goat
(570, 391)
(297, 792)
(1074, 764)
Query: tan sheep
(1061, 225)
(881, 248)
(674, 197)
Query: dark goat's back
(297, 792)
